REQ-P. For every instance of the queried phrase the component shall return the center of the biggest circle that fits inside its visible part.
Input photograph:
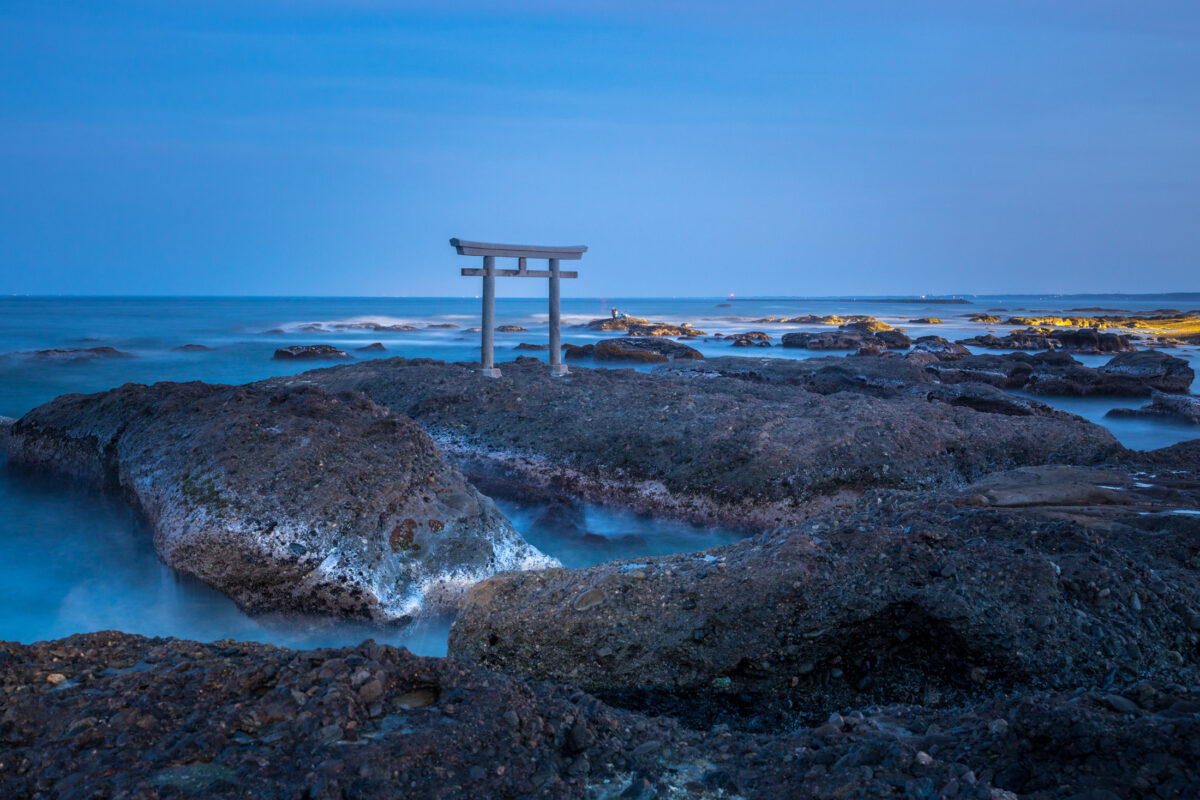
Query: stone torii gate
(521, 252)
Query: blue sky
(303, 147)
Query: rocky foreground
(117, 716)
(950, 591)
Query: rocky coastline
(945, 590)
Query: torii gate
(489, 272)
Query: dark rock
(1151, 368)
(1057, 373)
(191, 348)
(925, 321)
(75, 354)
(643, 349)
(944, 349)
(510, 329)
(233, 478)
(575, 352)
(528, 346)
(746, 441)
(803, 620)
(1174, 408)
(374, 347)
(312, 352)
(6, 424)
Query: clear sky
(699, 148)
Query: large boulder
(285, 499)
(711, 445)
(1048, 577)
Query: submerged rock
(1039, 578)
(285, 499)
(312, 352)
(374, 347)
(74, 354)
(191, 348)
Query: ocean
(72, 560)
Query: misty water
(73, 560)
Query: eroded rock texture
(285, 499)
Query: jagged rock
(312, 352)
(643, 349)
(285, 499)
(1025, 579)
(374, 347)
(1175, 408)
(825, 340)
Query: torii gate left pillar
(521, 252)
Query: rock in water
(1151, 368)
(311, 352)
(1175, 408)
(6, 424)
(286, 499)
(643, 348)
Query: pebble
(55, 678)
(589, 599)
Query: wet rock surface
(312, 352)
(1164, 406)
(644, 348)
(1053, 578)
(744, 447)
(1134, 374)
(285, 499)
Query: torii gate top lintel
(490, 252)
(466, 248)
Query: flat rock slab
(284, 499)
(738, 441)
(1047, 577)
(115, 715)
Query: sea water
(73, 560)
